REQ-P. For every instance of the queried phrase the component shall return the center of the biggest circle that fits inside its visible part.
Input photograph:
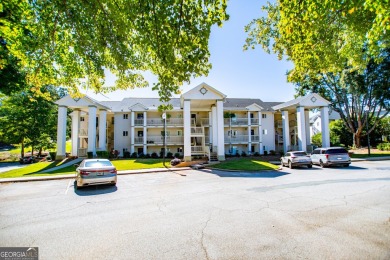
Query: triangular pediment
(312, 100)
(202, 92)
(138, 107)
(79, 103)
(254, 107)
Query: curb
(72, 176)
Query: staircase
(213, 157)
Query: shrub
(177, 155)
(141, 155)
(134, 155)
(154, 155)
(169, 155)
(53, 155)
(126, 154)
(256, 154)
(243, 154)
(147, 156)
(384, 146)
(102, 154)
(90, 155)
(265, 152)
(272, 152)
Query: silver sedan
(95, 172)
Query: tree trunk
(22, 150)
(40, 152)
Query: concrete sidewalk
(72, 176)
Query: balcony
(235, 121)
(205, 121)
(139, 122)
(254, 121)
(197, 150)
(197, 131)
(159, 140)
(237, 139)
(160, 122)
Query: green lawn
(245, 164)
(35, 168)
(385, 153)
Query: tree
(323, 36)
(70, 43)
(29, 119)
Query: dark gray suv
(330, 156)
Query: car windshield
(334, 151)
(300, 154)
(98, 163)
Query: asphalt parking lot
(331, 213)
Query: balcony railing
(254, 121)
(197, 131)
(82, 152)
(160, 122)
(83, 132)
(236, 139)
(158, 139)
(197, 149)
(139, 122)
(205, 121)
(254, 138)
(234, 121)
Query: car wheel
(290, 165)
(309, 166)
(322, 164)
(281, 163)
(346, 165)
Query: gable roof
(312, 100)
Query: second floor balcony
(159, 139)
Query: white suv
(330, 156)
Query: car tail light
(327, 156)
(84, 173)
(113, 171)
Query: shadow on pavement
(265, 174)
(94, 190)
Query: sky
(236, 73)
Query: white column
(220, 134)
(249, 133)
(301, 128)
(75, 131)
(187, 130)
(92, 129)
(211, 128)
(260, 132)
(145, 134)
(102, 130)
(132, 134)
(215, 128)
(61, 132)
(325, 126)
(307, 127)
(286, 131)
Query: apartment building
(203, 122)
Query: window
(125, 116)
(232, 133)
(125, 133)
(180, 132)
(180, 149)
(251, 115)
(163, 133)
(140, 133)
(140, 116)
(264, 131)
(140, 150)
(82, 119)
(252, 132)
(263, 115)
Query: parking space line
(67, 188)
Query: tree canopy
(321, 36)
(70, 43)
